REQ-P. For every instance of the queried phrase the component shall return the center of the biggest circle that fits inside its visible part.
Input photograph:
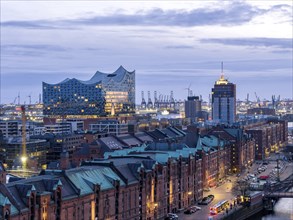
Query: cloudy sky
(171, 45)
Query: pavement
(221, 193)
(224, 192)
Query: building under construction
(20, 151)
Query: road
(223, 192)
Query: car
(206, 200)
(195, 208)
(189, 211)
(172, 216)
(211, 197)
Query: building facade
(130, 187)
(270, 136)
(104, 94)
(9, 128)
(224, 101)
(192, 107)
(36, 149)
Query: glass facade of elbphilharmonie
(104, 94)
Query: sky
(172, 45)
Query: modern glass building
(224, 101)
(104, 94)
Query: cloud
(33, 47)
(236, 13)
(36, 24)
(30, 50)
(282, 51)
(252, 42)
(179, 47)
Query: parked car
(189, 211)
(195, 208)
(172, 216)
(205, 201)
(211, 197)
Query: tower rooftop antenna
(222, 72)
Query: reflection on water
(283, 210)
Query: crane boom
(23, 148)
(257, 99)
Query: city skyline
(169, 45)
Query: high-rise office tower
(224, 100)
(192, 107)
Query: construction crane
(257, 100)
(150, 103)
(143, 102)
(40, 99)
(14, 100)
(247, 98)
(23, 146)
(30, 98)
(188, 90)
(156, 104)
(18, 98)
(275, 102)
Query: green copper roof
(86, 177)
(5, 201)
(124, 152)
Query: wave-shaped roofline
(99, 77)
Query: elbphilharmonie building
(104, 94)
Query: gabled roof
(199, 144)
(130, 140)
(164, 146)
(157, 135)
(111, 142)
(5, 201)
(144, 137)
(81, 177)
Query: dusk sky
(171, 45)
